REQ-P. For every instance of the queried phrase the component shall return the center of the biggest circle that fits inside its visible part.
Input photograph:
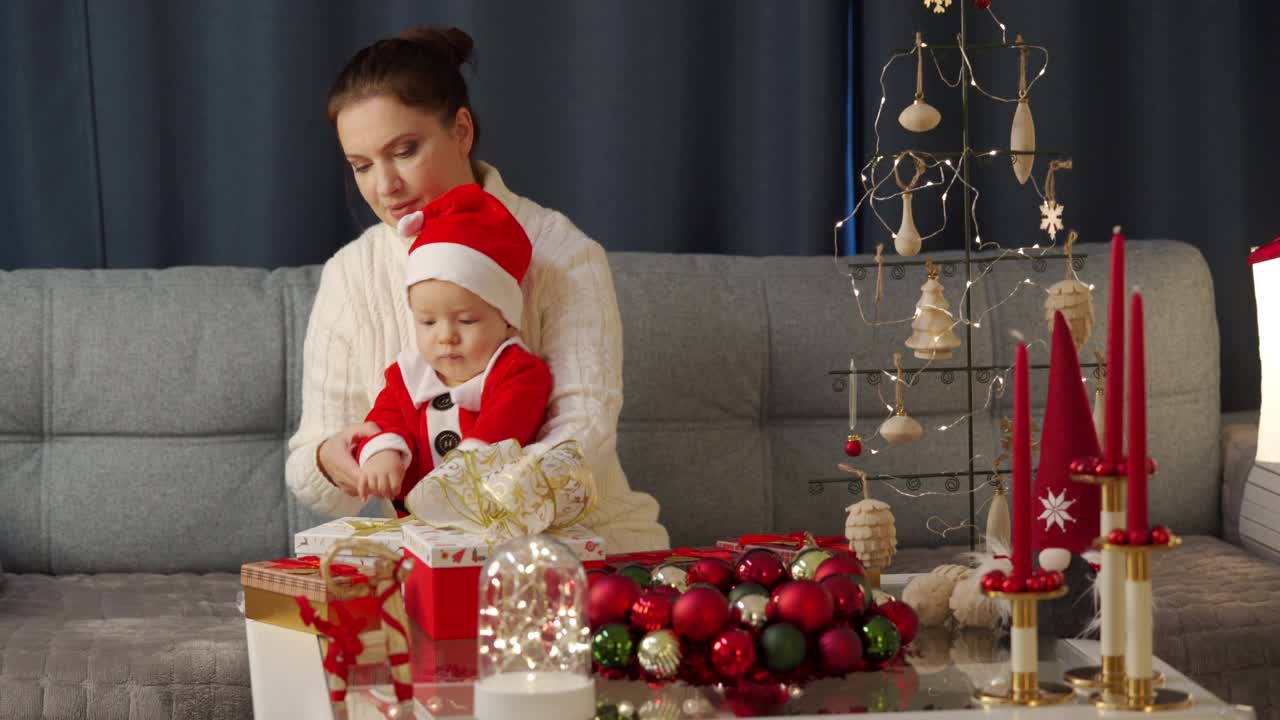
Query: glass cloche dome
(534, 637)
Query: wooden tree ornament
(900, 428)
(1022, 138)
(919, 116)
(1074, 300)
(931, 336)
(870, 529)
(907, 240)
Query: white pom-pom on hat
(410, 225)
(1055, 559)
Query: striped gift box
(269, 593)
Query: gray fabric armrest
(1239, 445)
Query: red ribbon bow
(344, 639)
(312, 562)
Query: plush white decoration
(1055, 559)
(410, 225)
(930, 596)
(955, 572)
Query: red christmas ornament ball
(1139, 537)
(993, 581)
(712, 571)
(902, 616)
(1013, 585)
(1053, 580)
(733, 653)
(1035, 584)
(1151, 466)
(982, 4)
(760, 566)
(610, 599)
(841, 563)
(804, 603)
(840, 650)
(593, 577)
(667, 590)
(851, 601)
(652, 611)
(1104, 468)
(700, 613)
(1160, 535)
(1118, 537)
(853, 446)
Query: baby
(469, 381)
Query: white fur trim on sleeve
(384, 441)
(472, 444)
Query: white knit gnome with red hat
(1067, 512)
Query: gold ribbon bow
(365, 528)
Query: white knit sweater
(361, 320)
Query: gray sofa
(144, 419)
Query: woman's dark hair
(422, 68)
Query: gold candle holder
(1140, 692)
(1024, 686)
(1110, 673)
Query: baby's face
(456, 331)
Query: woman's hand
(382, 475)
(336, 456)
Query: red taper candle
(1021, 466)
(1137, 517)
(1113, 424)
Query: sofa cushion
(123, 646)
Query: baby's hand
(382, 475)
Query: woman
(402, 114)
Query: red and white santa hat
(467, 237)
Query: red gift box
(787, 546)
(442, 593)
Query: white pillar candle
(1113, 603)
(1022, 650)
(1138, 637)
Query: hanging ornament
(1022, 139)
(919, 116)
(939, 6)
(1074, 300)
(907, 240)
(900, 428)
(853, 445)
(1099, 406)
(982, 4)
(998, 528)
(870, 529)
(1050, 210)
(931, 336)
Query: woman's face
(403, 157)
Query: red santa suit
(467, 237)
(423, 418)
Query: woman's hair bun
(451, 43)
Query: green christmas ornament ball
(880, 639)
(748, 588)
(611, 646)
(784, 646)
(637, 573)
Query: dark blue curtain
(149, 133)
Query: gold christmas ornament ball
(659, 654)
(750, 611)
(672, 575)
(806, 563)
